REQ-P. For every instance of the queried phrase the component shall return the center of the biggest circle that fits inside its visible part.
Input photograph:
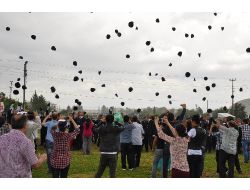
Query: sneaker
(131, 169)
(124, 169)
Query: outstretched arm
(161, 134)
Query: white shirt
(137, 134)
(192, 134)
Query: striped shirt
(245, 132)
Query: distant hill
(246, 103)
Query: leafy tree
(239, 111)
(38, 103)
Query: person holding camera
(60, 156)
(178, 147)
(49, 139)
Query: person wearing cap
(17, 153)
(60, 156)
(109, 145)
(228, 149)
(49, 139)
(197, 135)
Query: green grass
(85, 166)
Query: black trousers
(165, 160)
(237, 163)
(109, 160)
(126, 155)
(146, 142)
(217, 161)
(195, 165)
(223, 158)
(60, 173)
(136, 155)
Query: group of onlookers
(178, 143)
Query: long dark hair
(88, 121)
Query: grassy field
(85, 166)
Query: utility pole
(11, 88)
(24, 81)
(232, 96)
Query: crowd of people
(179, 144)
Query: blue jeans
(49, 148)
(245, 148)
(86, 145)
(158, 155)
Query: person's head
(62, 125)
(164, 117)
(88, 122)
(135, 119)
(230, 118)
(205, 116)
(231, 124)
(19, 122)
(181, 130)
(54, 116)
(109, 118)
(195, 120)
(246, 121)
(126, 118)
(30, 115)
(170, 116)
(99, 116)
(80, 114)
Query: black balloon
(157, 93)
(131, 24)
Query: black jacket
(109, 137)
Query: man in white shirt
(137, 137)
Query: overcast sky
(81, 37)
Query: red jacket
(87, 132)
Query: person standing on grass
(126, 146)
(17, 153)
(87, 136)
(34, 123)
(60, 156)
(109, 145)
(49, 139)
(245, 128)
(228, 149)
(197, 135)
(137, 137)
(178, 148)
